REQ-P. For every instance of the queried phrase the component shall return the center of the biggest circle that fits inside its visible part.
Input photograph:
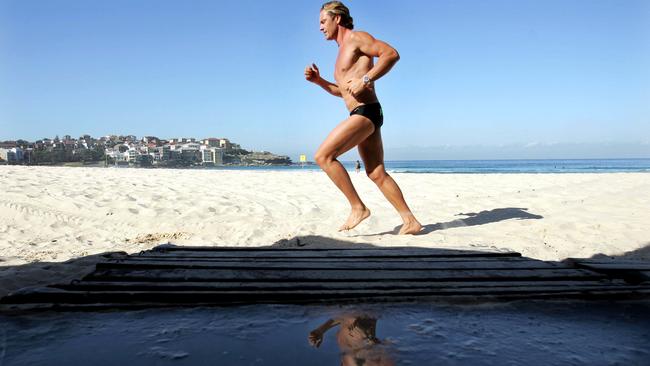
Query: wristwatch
(365, 79)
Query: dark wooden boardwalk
(188, 276)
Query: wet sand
(516, 333)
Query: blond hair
(334, 8)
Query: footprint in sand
(56, 225)
(134, 211)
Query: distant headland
(128, 150)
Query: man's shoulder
(361, 36)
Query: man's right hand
(311, 73)
(316, 337)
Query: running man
(355, 74)
(357, 340)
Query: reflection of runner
(357, 341)
(355, 74)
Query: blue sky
(476, 79)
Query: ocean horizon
(487, 166)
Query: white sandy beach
(53, 214)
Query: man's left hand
(357, 86)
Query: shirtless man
(355, 73)
(357, 340)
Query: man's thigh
(371, 151)
(348, 134)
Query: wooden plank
(357, 265)
(273, 286)
(633, 272)
(615, 265)
(333, 254)
(645, 275)
(191, 276)
(165, 248)
(611, 295)
(49, 295)
(327, 253)
(163, 257)
(123, 274)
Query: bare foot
(410, 227)
(356, 216)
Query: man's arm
(313, 74)
(329, 87)
(387, 55)
(387, 58)
(316, 335)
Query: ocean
(491, 166)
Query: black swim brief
(371, 111)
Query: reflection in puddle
(357, 340)
(516, 333)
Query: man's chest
(345, 61)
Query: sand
(54, 214)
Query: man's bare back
(354, 74)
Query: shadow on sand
(321, 242)
(43, 273)
(473, 219)
(641, 254)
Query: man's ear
(337, 19)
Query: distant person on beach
(357, 167)
(357, 340)
(355, 74)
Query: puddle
(515, 333)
